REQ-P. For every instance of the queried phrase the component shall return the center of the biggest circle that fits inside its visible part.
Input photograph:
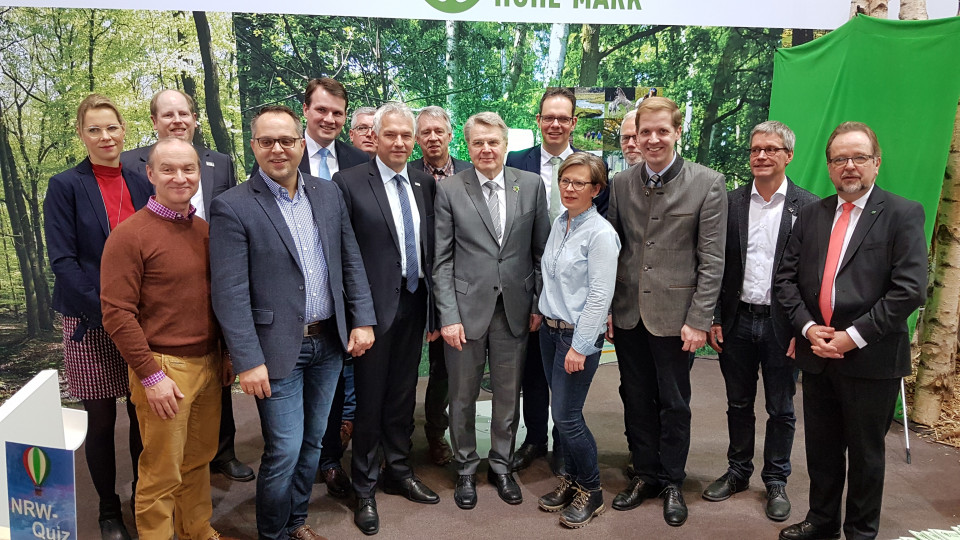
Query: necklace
(119, 206)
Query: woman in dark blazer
(81, 207)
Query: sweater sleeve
(120, 281)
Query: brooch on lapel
(791, 209)
(872, 212)
(516, 189)
(416, 184)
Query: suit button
(499, 260)
(398, 264)
(301, 287)
(648, 243)
(496, 288)
(397, 290)
(300, 319)
(645, 268)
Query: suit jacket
(258, 280)
(529, 160)
(471, 269)
(217, 173)
(459, 165)
(366, 200)
(76, 227)
(881, 280)
(738, 223)
(672, 237)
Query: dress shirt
(446, 169)
(197, 201)
(298, 214)
(164, 212)
(502, 194)
(763, 228)
(313, 147)
(858, 206)
(651, 172)
(546, 169)
(387, 174)
(579, 269)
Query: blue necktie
(323, 171)
(409, 237)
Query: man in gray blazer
(671, 216)
(491, 228)
(287, 283)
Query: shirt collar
(498, 180)
(387, 174)
(313, 147)
(860, 203)
(781, 191)
(447, 168)
(580, 219)
(159, 209)
(279, 191)
(662, 173)
(546, 156)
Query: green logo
(452, 6)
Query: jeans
(754, 346)
(293, 420)
(568, 393)
(349, 395)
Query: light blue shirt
(298, 214)
(579, 273)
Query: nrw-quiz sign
(40, 491)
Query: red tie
(833, 260)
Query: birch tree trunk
(873, 8)
(913, 10)
(556, 54)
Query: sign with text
(41, 493)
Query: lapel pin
(873, 212)
(791, 209)
(516, 189)
(416, 184)
(210, 164)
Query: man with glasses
(750, 331)
(556, 121)
(628, 139)
(854, 269)
(287, 280)
(361, 130)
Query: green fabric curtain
(902, 78)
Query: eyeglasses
(362, 130)
(562, 120)
(285, 142)
(839, 162)
(577, 185)
(94, 131)
(624, 139)
(770, 152)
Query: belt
(557, 323)
(320, 327)
(758, 309)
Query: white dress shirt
(502, 194)
(313, 147)
(387, 174)
(546, 169)
(763, 228)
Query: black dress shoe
(465, 494)
(507, 487)
(365, 517)
(338, 483)
(525, 455)
(778, 505)
(674, 509)
(559, 498)
(585, 506)
(808, 531)
(637, 492)
(411, 488)
(233, 469)
(113, 529)
(724, 487)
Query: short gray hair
(772, 127)
(392, 108)
(437, 113)
(360, 112)
(489, 119)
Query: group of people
(319, 278)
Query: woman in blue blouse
(579, 266)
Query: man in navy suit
(291, 294)
(853, 271)
(174, 115)
(391, 208)
(434, 134)
(557, 122)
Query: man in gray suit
(291, 294)
(670, 215)
(491, 228)
(750, 331)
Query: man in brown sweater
(155, 296)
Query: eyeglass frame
(840, 162)
(771, 151)
(571, 183)
(274, 141)
(561, 120)
(96, 131)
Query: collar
(781, 191)
(498, 179)
(860, 203)
(667, 174)
(580, 219)
(651, 172)
(159, 209)
(279, 191)
(545, 156)
(447, 167)
(313, 147)
(387, 174)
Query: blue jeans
(754, 347)
(293, 420)
(349, 395)
(568, 391)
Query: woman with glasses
(579, 267)
(82, 205)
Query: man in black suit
(853, 271)
(434, 133)
(749, 331)
(173, 115)
(391, 209)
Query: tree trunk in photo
(590, 61)
(91, 44)
(8, 171)
(711, 113)
(913, 10)
(451, 60)
(556, 55)
(873, 8)
(211, 85)
(516, 62)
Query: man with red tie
(853, 271)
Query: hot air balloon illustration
(37, 465)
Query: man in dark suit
(749, 331)
(173, 115)
(557, 122)
(492, 226)
(291, 294)
(391, 208)
(434, 134)
(853, 271)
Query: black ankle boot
(585, 505)
(559, 498)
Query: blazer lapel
(533, 159)
(418, 196)
(207, 174)
(743, 224)
(512, 197)
(90, 187)
(380, 192)
(871, 211)
(791, 207)
(323, 211)
(269, 205)
(471, 182)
